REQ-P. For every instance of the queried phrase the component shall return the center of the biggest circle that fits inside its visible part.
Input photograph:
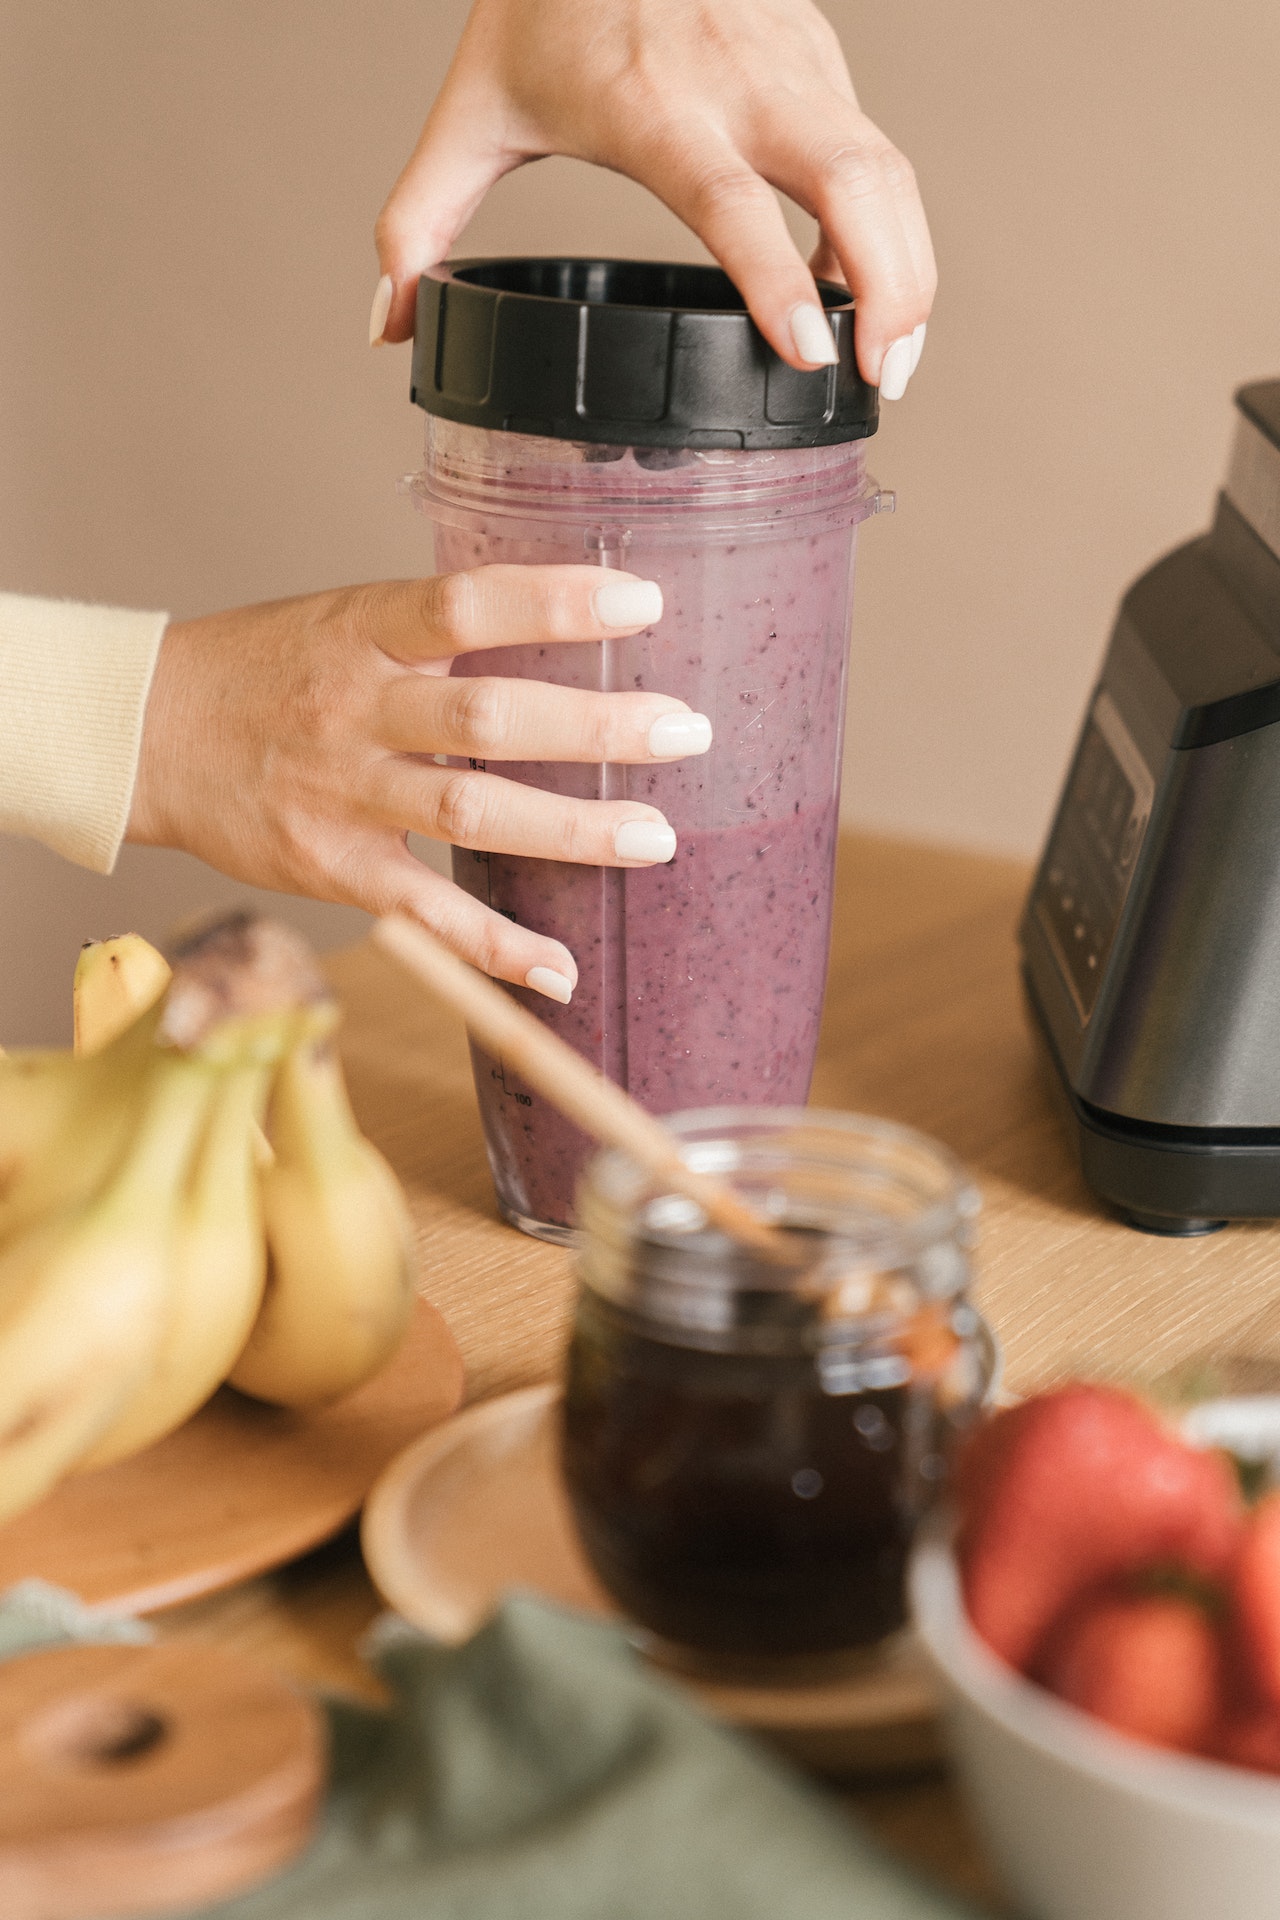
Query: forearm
(73, 689)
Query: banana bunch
(152, 1244)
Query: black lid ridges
(626, 352)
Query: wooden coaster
(241, 1487)
(147, 1779)
(476, 1508)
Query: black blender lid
(627, 352)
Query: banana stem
(174, 1100)
(311, 1117)
(228, 1139)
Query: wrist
(150, 811)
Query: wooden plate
(476, 1508)
(141, 1779)
(240, 1488)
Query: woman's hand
(291, 745)
(706, 102)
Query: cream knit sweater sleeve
(73, 686)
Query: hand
(290, 745)
(706, 102)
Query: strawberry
(1252, 1740)
(1257, 1597)
(985, 1449)
(1071, 1490)
(1149, 1664)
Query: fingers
(482, 811)
(475, 932)
(864, 195)
(462, 150)
(440, 188)
(494, 719)
(736, 213)
(420, 620)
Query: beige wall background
(189, 417)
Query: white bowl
(1083, 1823)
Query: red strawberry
(1252, 1740)
(984, 1452)
(1082, 1485)
(1257, 1597)
(1149, 1664)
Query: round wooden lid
(137, 1780)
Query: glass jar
(748, 1448)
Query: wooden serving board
(476, 1508)
(240, 1488)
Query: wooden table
(923, 1025)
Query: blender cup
(632, 415)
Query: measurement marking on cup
(499, 1073)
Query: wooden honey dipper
(572, 1085)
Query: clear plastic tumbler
(700, 982)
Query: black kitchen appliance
(1151, 938)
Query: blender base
(1160, 1223)
(1174, 1180)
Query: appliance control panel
(1089, 866)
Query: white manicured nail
(651, 841)
(673, 735)
(382, 297)
(812, 335)
(917, 344)
(895, 369)
(545, 980)
(628, 603)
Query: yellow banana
(219, 1257)
(82, 1292)
(115, 981)
(95, 1160)
(47, 1095)
(340, 1281)
(63, 1122)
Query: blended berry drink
(700, 982)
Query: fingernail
(895, 369)
(651, 841)
(545, 980)
(812, 335)
(673, 735)
(382, 296)
(917, 344)
(628, 603)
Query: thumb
(456, 161)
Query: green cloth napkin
(541, 1772)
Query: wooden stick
(570, 1083)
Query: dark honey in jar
(748, 1451)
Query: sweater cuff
(73, 687)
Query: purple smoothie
(700, 982)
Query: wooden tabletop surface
(923, 1025)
